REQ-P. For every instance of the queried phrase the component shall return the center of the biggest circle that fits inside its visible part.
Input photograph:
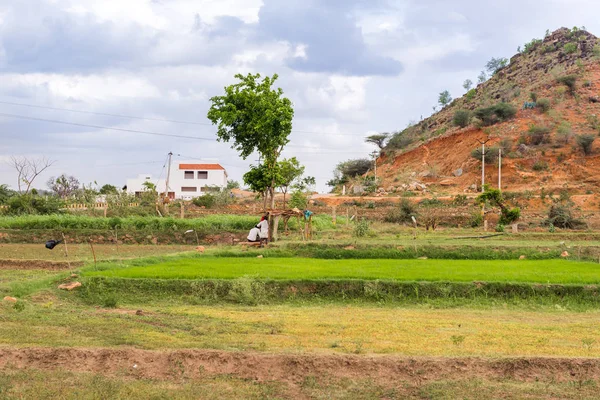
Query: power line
(136, 130)
(174, 121)
(105, 114)
(118, 165)
(103, 127)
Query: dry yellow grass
(409, 331)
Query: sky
(351, 68)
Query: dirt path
(38, 264)
(292, 368)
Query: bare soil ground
(293, 369)
(38, 264)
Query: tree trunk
(284, 193)
(265, 197)
(272, 193)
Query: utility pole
(500, 169)
(483, 162)
(375, 155)
(168, 177)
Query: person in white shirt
(263, 225)
(254, 235)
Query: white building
(188, 179)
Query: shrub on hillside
(569, 81)
(506, 145)
(563, 133)
(540, 165)
(538, 135)
(560, 215)
(495, 114)
(585, 143)
(533, 96)
(543, 104)
(470, 95)
(570, 48)
(462, 118)
(399, 140)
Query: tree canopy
(378, 139)
(63, 186)
(256, 118)
(108, 189)
(444, 98)
(496, 64)
(349, 169)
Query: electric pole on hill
(500, 168)
(483, 162)
(375, 155)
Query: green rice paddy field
(533, 271)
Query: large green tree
(256, 118)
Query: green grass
(532, 271)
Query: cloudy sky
(351, 68)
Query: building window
(189, 189)
(188, 175)
(202, 174)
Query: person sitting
(263, 225)
(254, 235)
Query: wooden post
(66, 250)
(333, 216)
(182, 211)
(93, 253)
(117, 243)
(105, 210)
(515, 228)
(485, 225)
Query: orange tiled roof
(201, 166)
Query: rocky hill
(542, 147)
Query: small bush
(207, 201)
(570, 48)
(543, 104)
(563, 133)
(361, 228)
(460, 200)
(538, 135)
(403, 213)
(585, 143)
(533, 96)
(19, 306)
(495, 114)
(399, 140)
(560, 215)
(110, 302)
(507, 216)
(499, 228)
(540, 165)
(476, 220)
(506, 145)
(462, 118)
(298, 199)
(470, 95)
(569, 81)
